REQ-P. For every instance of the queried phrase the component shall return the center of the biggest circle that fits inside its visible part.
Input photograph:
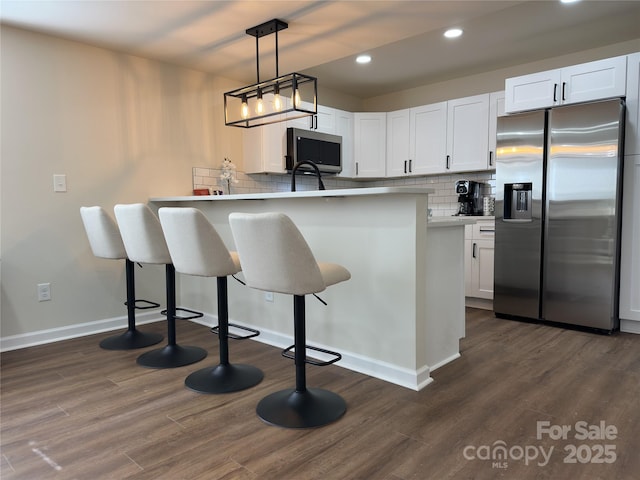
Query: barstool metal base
(171, 356)
(130, 340)
(224, 378)
(313, 407)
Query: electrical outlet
(268, 297)
(44, 292)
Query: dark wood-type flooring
(71, 410)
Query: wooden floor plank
(72, 410)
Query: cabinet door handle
(555, 92)
(356, 168)
(490, 158)
(448, 161)
(564, 84)
(311, 122)
(405, 166)
(410, 166)
(315, 119)
(473, 254)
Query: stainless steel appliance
(470, 197)
(323, 149)
(558, 192)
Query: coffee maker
(469, 197)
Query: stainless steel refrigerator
(558, 200)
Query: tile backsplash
(443, 202)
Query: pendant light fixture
(282, 98)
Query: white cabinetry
(630, 255)
(398, 142)
(369, 147)
(496, 109)
(344, 128)
(467, 133)
(632, 131)
(323, 121)
(578, 83)
(479, 247)
(416, 140)
(264, 148)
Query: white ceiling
(403, 37)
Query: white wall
(121, 128)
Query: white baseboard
(15, 342)
(630, 326)
(481, 303)
(412, 379)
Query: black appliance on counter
(470, 197)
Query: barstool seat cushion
(333, 273)
(103, 233)
(290, 266)
(142, 234)
(196, 247)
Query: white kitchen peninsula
(402, 313)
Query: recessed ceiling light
(569, 1)
(363, 58)
(453, 33)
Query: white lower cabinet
(630, 255)
(479, 249)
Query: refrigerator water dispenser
(517, 201)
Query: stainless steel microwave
(323, 149)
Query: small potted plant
(228, 174)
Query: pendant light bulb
(295, 94)
(277, 101)
(245, 107)
(259, 103)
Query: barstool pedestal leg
(301, 407)
(172, 355)
(132, 338)
(225, 377)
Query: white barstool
(144, 242)
(276, 258)
(105, 241)
(197, 249)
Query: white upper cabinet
(398, 143)
(324, 121)
(370, 134)
(496, 109)
(264, 149)
(578, 83)
(428, 138)
(344, 128)
(416, 140)
(467, 133)
(632, 131)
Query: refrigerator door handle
(517, 220)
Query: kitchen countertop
(452, 221)
(344, 192)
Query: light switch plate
(59, 183)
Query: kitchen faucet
(314, 166)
